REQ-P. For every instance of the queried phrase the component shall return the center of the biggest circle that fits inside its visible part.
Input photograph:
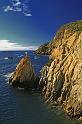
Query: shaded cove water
(22, 107)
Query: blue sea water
(23, 107)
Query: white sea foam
(7, 76)
(6, 58)
(20, 56)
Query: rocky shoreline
(61, 80)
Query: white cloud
(16, 2)
(27, 14)
(17, 6)
(8, 8)
(6, 45)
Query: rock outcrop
(61, 81)
(43, 49)
(24, 75)
(46, 49)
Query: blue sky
(26, 24)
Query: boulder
(24, 75)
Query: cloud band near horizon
(7, 45)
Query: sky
(26, 24)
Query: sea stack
(24, 75)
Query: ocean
(25, 107)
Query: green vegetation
(74, 26)
(71, 27)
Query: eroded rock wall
(61, 82)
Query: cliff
(47, 48)
(61, 79)
(24, 75)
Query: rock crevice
(61, 81)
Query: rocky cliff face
(61, 81)
(24, 75)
